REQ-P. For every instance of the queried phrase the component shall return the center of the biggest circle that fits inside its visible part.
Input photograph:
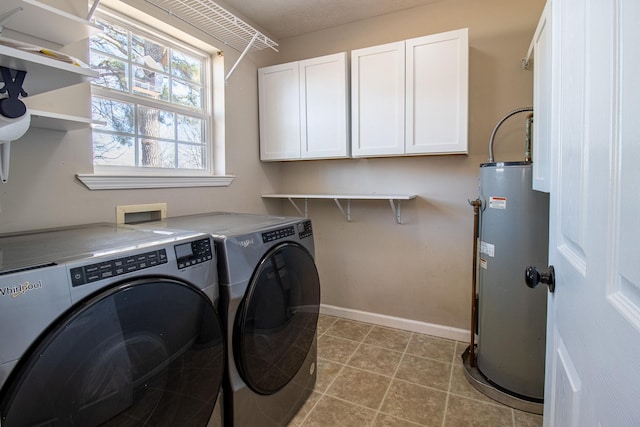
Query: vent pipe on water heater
(508, 363)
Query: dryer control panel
(278, 234)
(115, 267)
(192, 253)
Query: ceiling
(287, 18)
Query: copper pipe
(476, 222)
(527, 149)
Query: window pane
(150, 54)
(186, 67)
(113, 40)
(113, 72)
(156, 123)
(154, 153)
(150, 83)
(190, 129)
(118, 115)
(186, 94)
(190, 156)
(113, 150)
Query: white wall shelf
(44, 22)
(43, 73)
(394, 201)
(61, 122)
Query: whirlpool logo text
(21, 289)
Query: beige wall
(420, 270)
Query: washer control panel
(304, 229)
(116, 267)
(192, 253)
(281, 233)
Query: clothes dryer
(269, 302)
(109, 326)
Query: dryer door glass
(148, 352)
(277, 321)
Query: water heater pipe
(477, 203)
(495, 129)
(527, 141)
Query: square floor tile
(393, 339)
(414, 403)
(327, 372)
(383, 420)
(330, 411)
(349, 329)
(376, 359)
(525, 419)
(461, 386)
(463, 412)
(431, 347)
(324, 323)
(423, 371)
(336, 349)
(361, 387)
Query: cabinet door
(323, 107)
(542, 104)
(279, 107)
(377, 100)
(437, 93)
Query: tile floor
(374, 376)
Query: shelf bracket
(242, 55)
(347, 214)
(94, 6)
(305, 214)
(396, 211)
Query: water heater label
(487, 249)
(498, 202)
(483, 263)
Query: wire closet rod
(217, 22)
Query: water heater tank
(514, 230)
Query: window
(153, 93)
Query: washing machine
(269, 303)
(102, 325)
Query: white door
(593, 334)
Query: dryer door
(148, 352)
(277, 321)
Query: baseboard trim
(440, 331)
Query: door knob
(532, 278)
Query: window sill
(123, 182)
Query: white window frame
(120, 177)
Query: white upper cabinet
(542, 101)
(437, 85)
(303, 109)
(279, 106)
(411, 97)
(323, 107)
(377, 100)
